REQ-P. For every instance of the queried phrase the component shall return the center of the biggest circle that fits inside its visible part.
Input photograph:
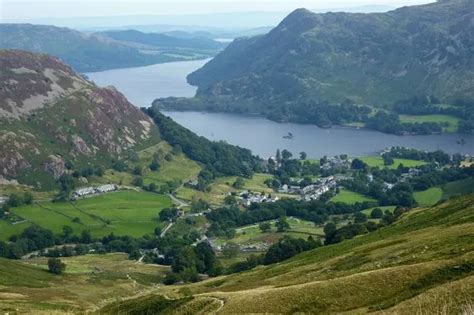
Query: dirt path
(180, 202)
(166, 229)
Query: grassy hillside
(89, 281)
(422, 263)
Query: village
(90, 191)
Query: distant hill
(89, 52)
(310, 61)
(162, 40)
(422, 264)
(51, 116)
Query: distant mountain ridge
(93, 52)
(51, 116)
(365, 59)
(162, 40)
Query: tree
(239, 183)
(387, 160)
(152, 187)
(358, 165)
(231, 250)
(86, 237)
(137, 171)
(27, 198)
(376, 213)
(303, 155)
(265, 226)
(168, 214)
(360, 217)
(278, 156)
(137, 181)
(154, 165)
(286, 155)
(15, 200)
(120, 166)
(282, 224)
(67, 231)
(230, 200)
(56, 266)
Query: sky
(12, 10)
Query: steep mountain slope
(85, 53)
(423, 264)
(372, 59)
(50, 115)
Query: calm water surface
(143, 84)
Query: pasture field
(123, 213)
(377, 161)
(350, 197)
(428, 197)
(451, 121)
(250, 234)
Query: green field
(250, 234)
(350, 197)
(453, 122)
(428, 197)
(123, 213)
(377, 161)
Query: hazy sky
(26, 9)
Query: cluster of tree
(190, 261)
(16, 200)
(434, 177)
(31, 239)
(225, 220)
(284, 167)
(390, 123)
(56, 266)
(424, 105)
(285, 248)
(413, 154)
(360, 226)
(219, 158)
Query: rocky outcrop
(49, 114)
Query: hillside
(311, 61)
(423, 264)
(84, 52)
(52, 120)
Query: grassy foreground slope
(423, 263)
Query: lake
(143, 84)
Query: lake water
(143, 84)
